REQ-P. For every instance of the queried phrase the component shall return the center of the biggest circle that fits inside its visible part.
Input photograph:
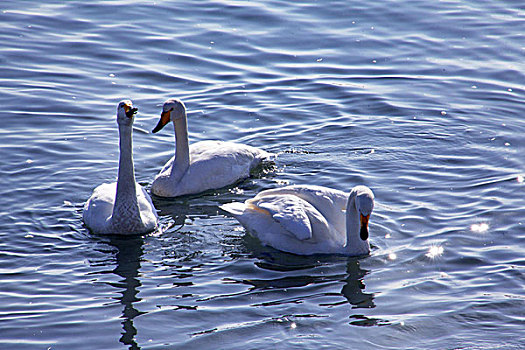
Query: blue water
(420, 100)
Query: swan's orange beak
(364, 227)
(164, 119)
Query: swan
(204, 165)
(306, 220)
(121, 207)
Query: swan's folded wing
(290, 212)
(146, 207)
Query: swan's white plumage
(291, 212)
(306, 219)
(121, 207)
(214, 164)
(98, 212)
(203, 165)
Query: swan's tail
(234, 208)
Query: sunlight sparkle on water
(435, 251)
(520, 179)
(480, 228)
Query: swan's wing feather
(227, 148)
(329, 203)
(147, 209)
(216, 164)
(319, 196)
(99, 207)
(104, 193)
(167, 166)
(234, 158)
(291, 213)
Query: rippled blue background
(420, 100)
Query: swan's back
(331, 203)
(213, 165)
(219, 164)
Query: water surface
(421, 101)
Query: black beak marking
(158, 127)
(131, 112)
(164, 119)
(364, 233)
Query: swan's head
(126, 112)
(364, 204)
(172, 110)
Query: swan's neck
(126, 197)
(182, 150)
(354, 244)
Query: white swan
(204, 165)
(309, 220)
(121, 207)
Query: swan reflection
(128, 256)
(353, 289)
